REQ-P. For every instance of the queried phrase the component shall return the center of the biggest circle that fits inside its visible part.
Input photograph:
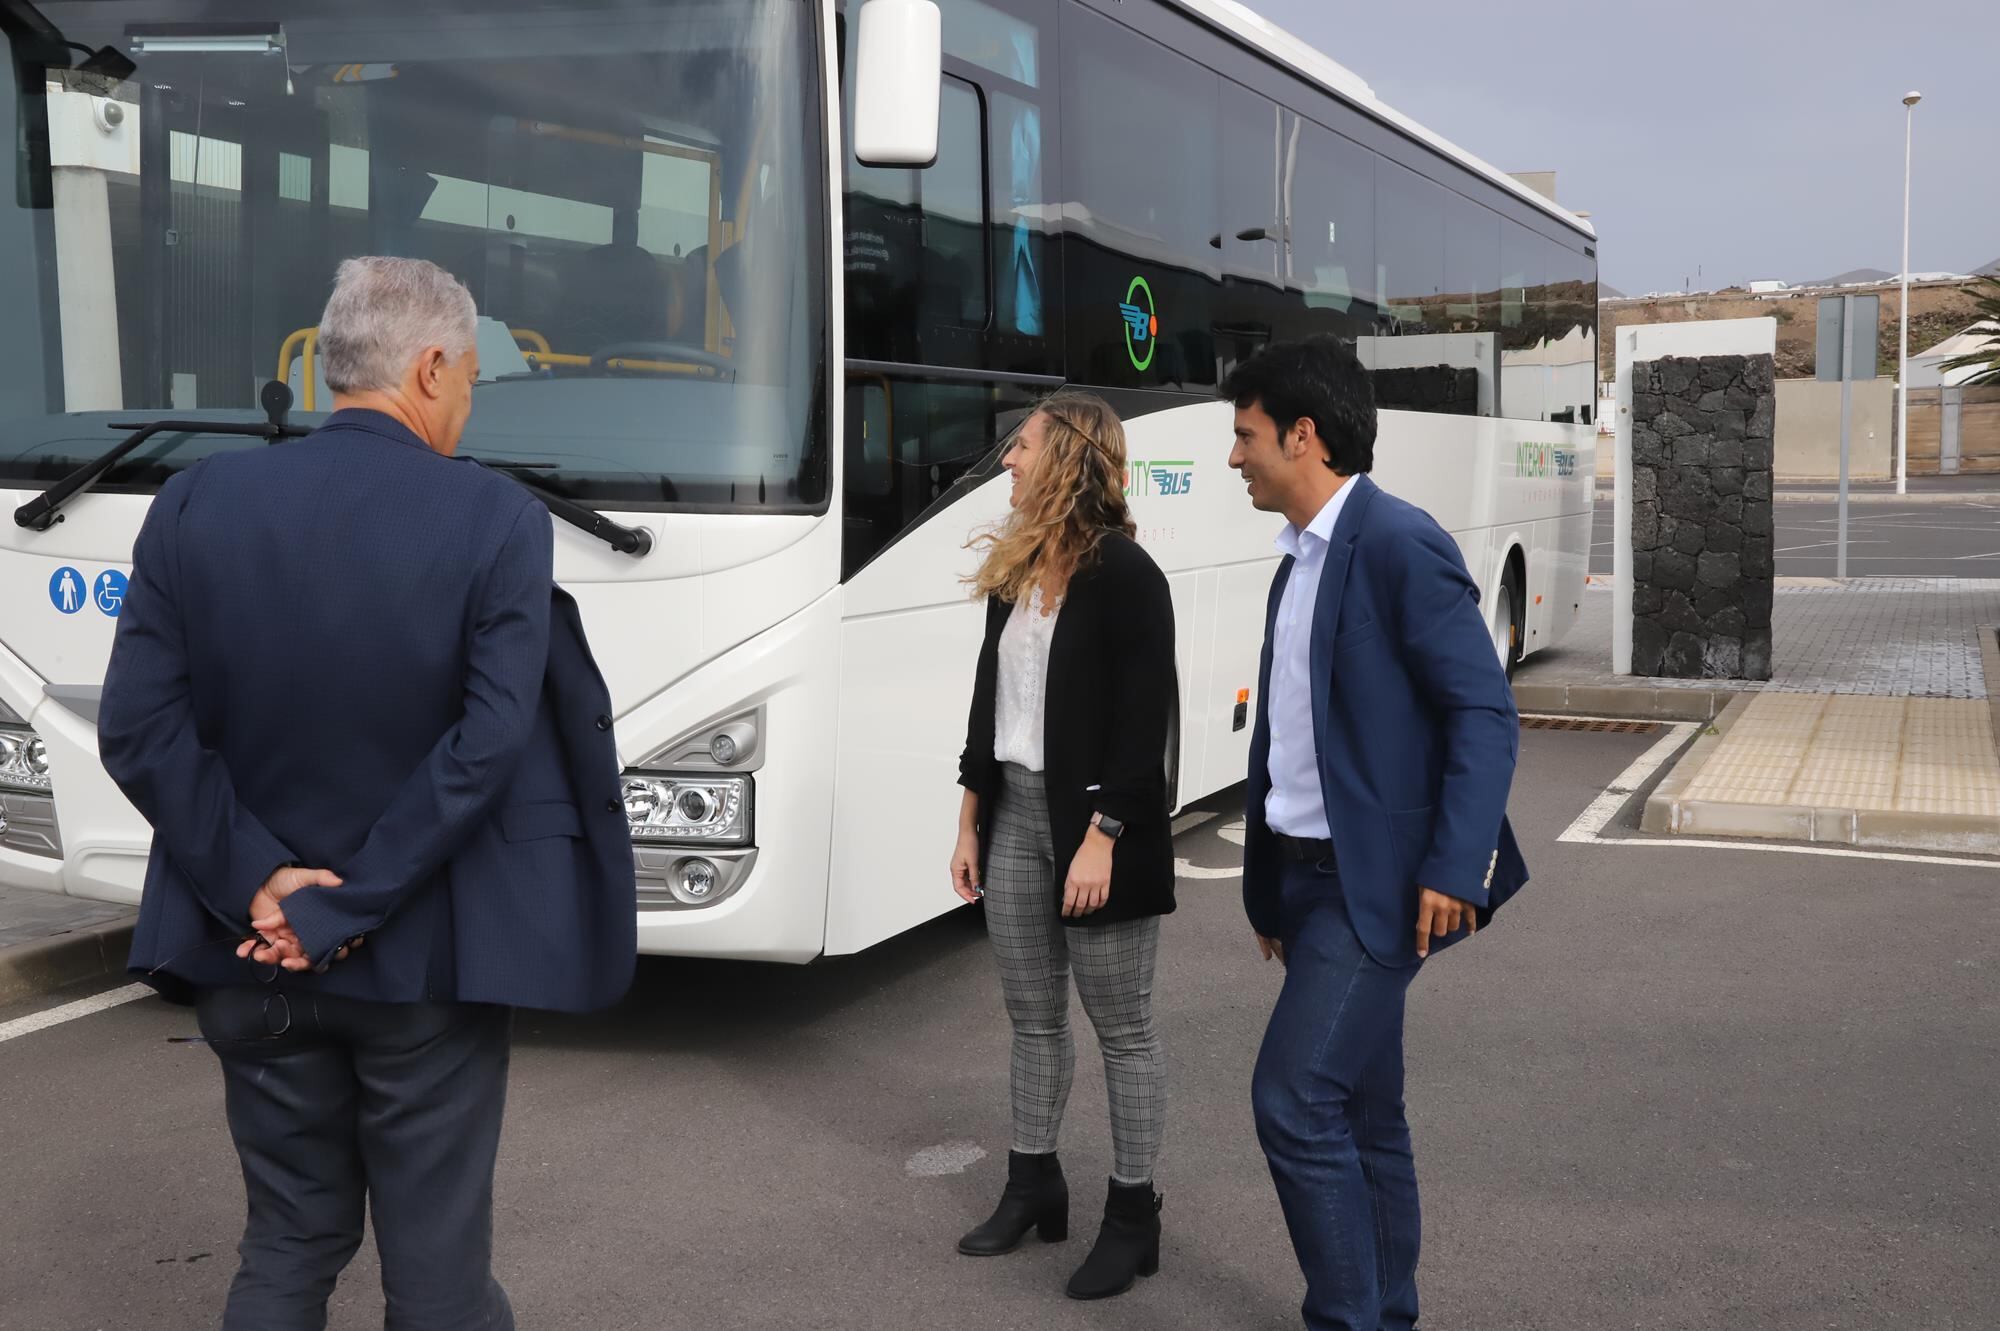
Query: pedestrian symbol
(110, 593)
(66, 590)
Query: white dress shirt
(1296, 806)
(1018, 706)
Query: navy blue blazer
(349, 652)
(1415, 726)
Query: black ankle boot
(1128, 1244)
(1036, 1198)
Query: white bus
(763, 382)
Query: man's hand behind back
(276, 944)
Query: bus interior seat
(612, 294)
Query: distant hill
(1855, 275)
(1991, 269)
(1605, 291)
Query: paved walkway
(1884, 637)
(1877, 728)
(1921, 773)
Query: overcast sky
(1754, 138)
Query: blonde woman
(1064, 828)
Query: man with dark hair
(1377, 831)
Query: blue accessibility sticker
(110, 592)
(66, 590)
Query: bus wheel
(1507, 615)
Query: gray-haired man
(353, 705)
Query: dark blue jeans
(1328, 1095)
(340, 1106)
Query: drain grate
(1601, 727)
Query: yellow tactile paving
(1835, 751)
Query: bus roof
(1253, 30)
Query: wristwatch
(1108, 825)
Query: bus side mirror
(898, 78)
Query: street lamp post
(1910, 100)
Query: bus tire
(1509, 616)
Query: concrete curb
(28, 970)
(1989, 660)
(1831, 496)
(1638, 702)
(1877, 497)
(1668, 811)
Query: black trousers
(339, 1106)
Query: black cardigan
(1107, 718)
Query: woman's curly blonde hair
(1074, 496)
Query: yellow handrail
(308, 376)
(303, 343)
(537, 359)
(285, 353)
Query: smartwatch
(1108, 825)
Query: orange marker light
(1242, 695)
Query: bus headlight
(24, 761)
(687, 809)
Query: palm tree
(1987, 358)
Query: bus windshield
(632, 191)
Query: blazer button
(604, 723)
(614, 806)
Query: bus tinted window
(1330, 228)
(1251, 305)
(1420, 363)
(1524, 276)
(1572, 323)
(1144, 242)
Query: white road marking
(1235, 833)
(1605, 807)
(1836, 852)
(82, 1007)
(1592, 821)
(1183, 869)
(1187, 822)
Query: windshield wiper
(45, 509)
(634, 541)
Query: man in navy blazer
(1377, 824)
(378, 761)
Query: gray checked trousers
(1037, 952)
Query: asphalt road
(1672, 1087)
(1884, 538)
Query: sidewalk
(1916, 773)
(1981, 488)
(1885, 637)
(49, 941)
(1877, 728)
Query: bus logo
(1544, 461)
(1142, 323)
(1159, 478)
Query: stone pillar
(1702, 572)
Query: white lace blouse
(1023, 683)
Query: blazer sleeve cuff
(975, 774)
(252, 860)
(1130, 810)
(1455, 879)
(318, 920)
